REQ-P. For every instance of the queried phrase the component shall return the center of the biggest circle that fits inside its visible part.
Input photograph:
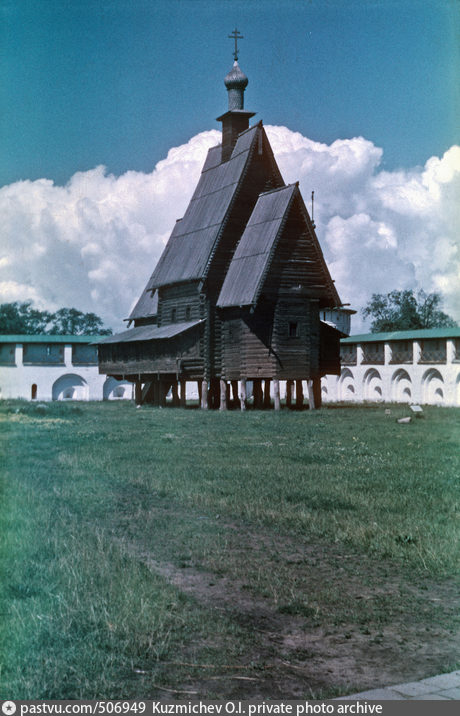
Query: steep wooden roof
(255, 252)
(147, 305)
(252, 256)
(190, 247)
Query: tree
(403, 310)
(22, 318)
(70, 321)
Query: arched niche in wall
(372, 385)
(70, 387)
(346, 385)
(401, 386)
(433, 388)
(117, 389)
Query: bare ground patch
(349, 624)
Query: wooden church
(236, 295)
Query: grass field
(179, 553)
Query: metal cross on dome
(236, 36)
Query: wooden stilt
(147, 392)
(223, 394)
(276, 394)
(163, 390)
(204, 394)
(214, 393)
(228, 394)
(289, 386)
(234, 385)
(175, 394)
(138, 392)
(267, 400)
(298, 394)
(183, 393)
(199, 383)
(311, 397)
(314, 393)
(156, 392)
(257, 393)
(243, 394)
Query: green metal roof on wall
(46, 338)
(420, 334)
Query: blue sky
(118, 82)
(109, 107)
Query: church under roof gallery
(237, 293)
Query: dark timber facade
(237, 292)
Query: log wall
(179, 303)
(180, 355)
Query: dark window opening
(188, 313)
(33, 392)
(293, 329)
(348, 354)
(433, 351)
(173, 315)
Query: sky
(109, 106)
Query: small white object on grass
(404, 420)
(417, 409)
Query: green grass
(259, 498)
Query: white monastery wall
(68, 380)
(408, 371)
(419, 380)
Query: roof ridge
(279, 188)
(249, 129)
(237, 184)
(282, 222)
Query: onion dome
(236, 82)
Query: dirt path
(294, 657)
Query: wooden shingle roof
(189, 249)
(252, 257)
(254, 254)
(147, 305)
(149, 333)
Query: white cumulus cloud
(93, 243)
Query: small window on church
(188, 313)
(173, 315)
(293, 329)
